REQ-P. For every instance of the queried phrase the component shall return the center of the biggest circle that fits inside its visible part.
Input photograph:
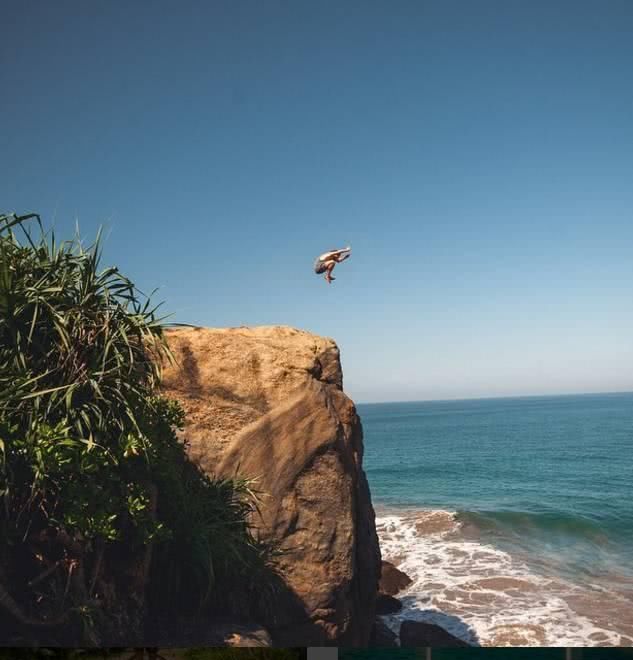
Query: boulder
(386, 604)
(382, 636)
(392, 579)
(417, 633)
(268, 402)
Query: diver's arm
(335, 254)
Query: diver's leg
(328, 271)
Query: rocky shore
(268, 403)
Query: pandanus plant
(78, 342)
(91, 473)
(80, 356)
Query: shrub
(95, 490)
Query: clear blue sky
(477, 155)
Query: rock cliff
(268, 402)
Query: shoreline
(487, 596)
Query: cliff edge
(268, 402)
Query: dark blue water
(549, 475)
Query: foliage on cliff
(96, 493)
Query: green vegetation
(105, 526)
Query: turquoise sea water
(544, 485)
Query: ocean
(513, 517)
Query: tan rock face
(268, 402)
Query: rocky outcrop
(382, 636)
(268, 402)
(392, 579)
(386, 604)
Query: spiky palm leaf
(85, 440)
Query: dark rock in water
(382, 636)
(386, 604)
(416, 633)
(392, 579)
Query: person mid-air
(326, 262)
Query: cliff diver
(326, 262)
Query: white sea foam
(483, 595)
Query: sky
(477, 156)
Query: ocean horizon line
(495, 398)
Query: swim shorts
(319, 266)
